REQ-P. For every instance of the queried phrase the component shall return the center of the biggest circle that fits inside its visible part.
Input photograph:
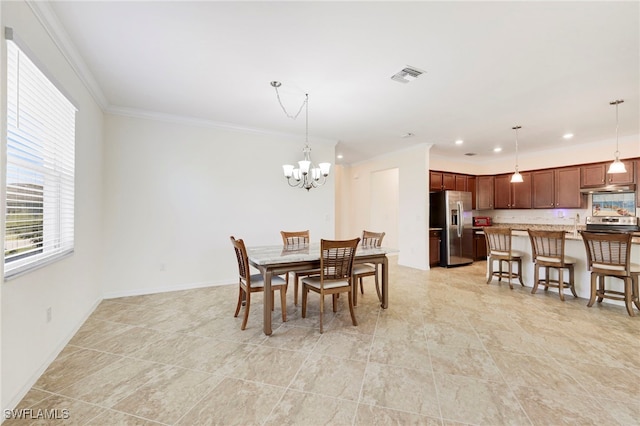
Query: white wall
(412, 195)
(175, 192)
(71, 287)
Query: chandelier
(307, 175)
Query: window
(40, 167)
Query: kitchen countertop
(520, 229)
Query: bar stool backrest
(608, 253)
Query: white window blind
(40, 167)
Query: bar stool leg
(561, 283)
(572, 278)
(627, 296)
(593, 290)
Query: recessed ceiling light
(498, 149)
(567, 135)
(459, 142)
(339, 156)
(407, 135)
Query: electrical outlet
(49, 314)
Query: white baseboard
(165, 289)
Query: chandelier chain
(293, 117)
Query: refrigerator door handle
(460, 216)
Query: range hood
(609, 188)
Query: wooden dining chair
(293, 240)
(336, 275)
(254, 283)
(609, 255)
(499, 250)
(547, 251)
(369, 239)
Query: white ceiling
(551, 67)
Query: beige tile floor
(449, 350)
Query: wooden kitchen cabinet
(471, 187)
(622, 178)
(557, 188)
(485, 190)
(567, 188)
(479, 246)
(509, 195)
(460, 182)
(596, 175)
(439, 181)
(434, 247)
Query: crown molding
(201, 122)
(60, 38)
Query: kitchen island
(574, 247)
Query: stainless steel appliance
(451, 211)
(613, 223)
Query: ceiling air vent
(470, 154)
(407, 75)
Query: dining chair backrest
(608, 253)
(336, 260)
(372, 239)
(243, 260)
(296, 238)
(498, 241)
(547, 246)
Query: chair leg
(561, 283)
(295, 288)
(305, 290)
(601, 289)
(240, 291)
(536, 277)
(283, 302)
(246, 311)
(499, 270)
(510, 274)
(634, 288)
(546, 278)
(378, 285)
(334, 299)
(628, 296)
(490, 273)
(353, 314)
(361, 286)
(572, 279)
(321, 310)
(593, 290)
(520, 272)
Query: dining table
(280, 259)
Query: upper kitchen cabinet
(471, 187)
(557, 188)
(484, 187)
(460, 182)
(439, 181)
(509, 195)
(596, 175)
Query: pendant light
(617, 166)
(516, 177)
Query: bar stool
(547, 249)
(609, 255)
(499, 249)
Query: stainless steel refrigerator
(451, 211)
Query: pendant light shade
(617, 166)
(516, 177)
